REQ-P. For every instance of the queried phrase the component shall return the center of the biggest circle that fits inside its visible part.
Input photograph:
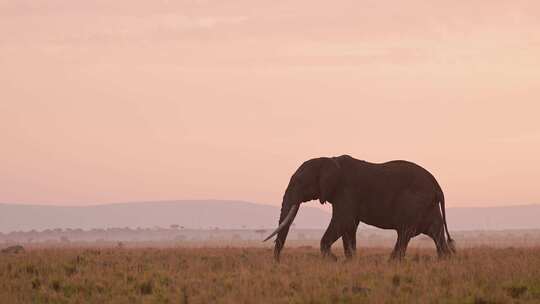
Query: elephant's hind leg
(404, 236)
(435, 230)
(436, 233)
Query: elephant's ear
(328, 178)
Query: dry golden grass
(248, 275)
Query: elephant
(398, 195)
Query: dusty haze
(156, 100)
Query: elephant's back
(393, 165)
(408, 174)
(394, 174)
(403, 166)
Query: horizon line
(217, 200)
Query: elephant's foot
(350, 254)
(331, 257)
(444, 254)
(328, 255)
(396, 257)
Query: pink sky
(155, 100)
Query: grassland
(248, 275)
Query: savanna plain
(246, 273)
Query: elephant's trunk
(287, 215)
(284, 221)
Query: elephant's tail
(451, 242)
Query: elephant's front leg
(349, 242)
(349, 237)
(333, 232)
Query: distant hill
(206, 214)
(494, 218)
(190, 214)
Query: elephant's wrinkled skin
(397, 195)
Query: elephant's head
(315, 179)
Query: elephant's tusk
(285, 222)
